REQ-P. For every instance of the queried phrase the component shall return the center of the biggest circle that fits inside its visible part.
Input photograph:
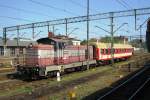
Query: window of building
(21, 51)
(1, 51)
(12, 51)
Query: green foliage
(83, 42)
(106, 39)
(91, 40)
(138, 43)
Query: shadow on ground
(96, 95)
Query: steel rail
(138, 90)
(113, 90)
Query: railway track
(131, 88)
(141, 91)
(4, 84)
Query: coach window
(115, 50)
(102, 51)
(106, 51)
(109, 51)
(119, 50)
(123, 50)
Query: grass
(52, 82)
(83, 90)
(66, 78)
(17, 91)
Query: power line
(80, 5)
(74, 2)
(15, 18)
(126, 4)
(122, 4)
(47, 5)
(23, 10)
(117, 14)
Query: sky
(17, 12)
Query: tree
(138, 43)
(117, 39)
(83, 42)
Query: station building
(12, 48)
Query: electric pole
(53, 29)
(88, 34)
(66, 26)
(48, 27)
(4, 41)
(33, 31)
(18, 37)
(141, 38)
(112, 38)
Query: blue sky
(28, 11)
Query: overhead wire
(122, 4)
(16, 18)
(53, 7)
(126, 4)
(23, 10)
(80, 5)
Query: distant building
(12, 49)
(68, 40)
(73, 41)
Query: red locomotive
(52, 55)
